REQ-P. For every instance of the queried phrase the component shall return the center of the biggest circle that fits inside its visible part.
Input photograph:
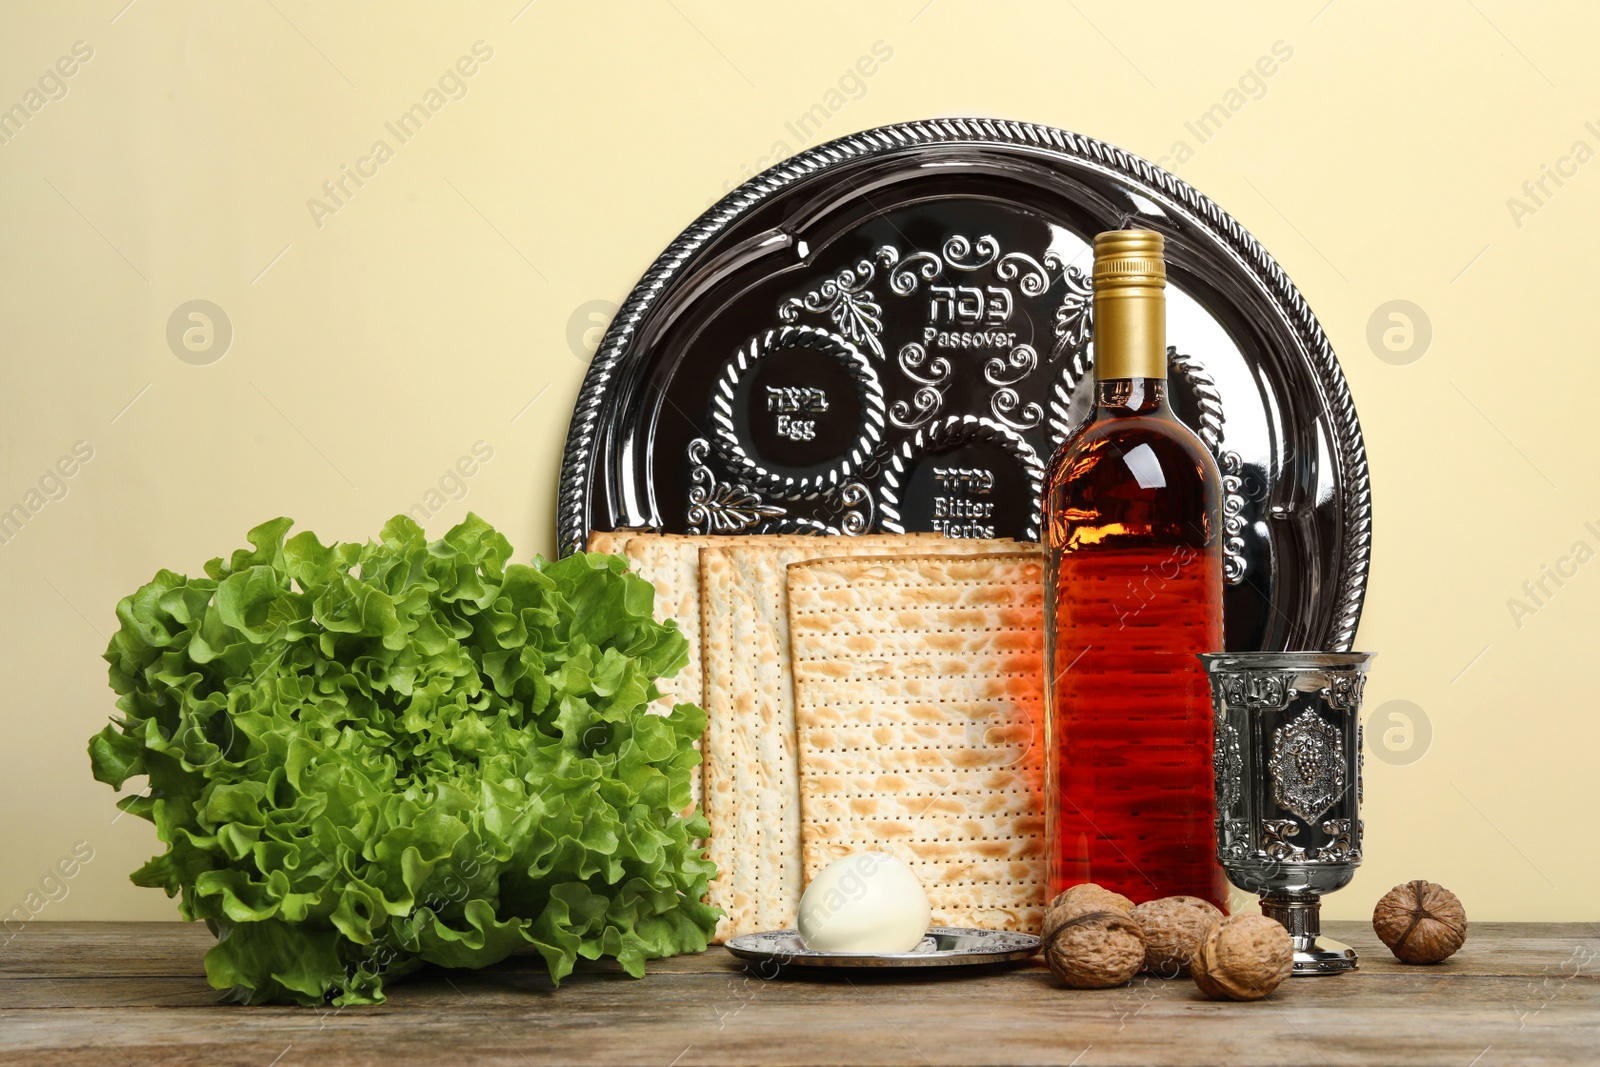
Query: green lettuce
(366, 758)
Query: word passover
(968, 306)
(954, 508)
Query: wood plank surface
(135, 993)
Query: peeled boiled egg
(865, 902)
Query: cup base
(1301, 915)
(1318, 956)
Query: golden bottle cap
(1130, 305)
(1125, 258)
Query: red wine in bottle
(1132, 531)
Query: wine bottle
(1132, 530)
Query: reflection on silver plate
(944, 946)
(892, 331)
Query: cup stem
(1301, 915)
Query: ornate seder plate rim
(1350, 454)
(970, 947)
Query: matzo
(919, 718)
(751, 779)
(608, 540)
(671, 563)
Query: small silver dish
(943, 946)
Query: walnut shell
(1079, 897)
(1421, 922)
(1091, 947)
(1173, 929)
(1243, 957)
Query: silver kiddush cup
(1288, 768)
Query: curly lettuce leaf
(366, 758)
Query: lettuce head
(366, 758)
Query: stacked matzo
(671, 563)
(730, 596)
(751, 783)
(919, 716)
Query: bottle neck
(1130, 331)
(1120, 397)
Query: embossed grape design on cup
(1288, 778)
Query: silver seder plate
(892, 332)
(944, 946)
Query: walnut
(1421, 922)
(1090, 943)
(1243, 957)
(1173, 929)
(1080, 896)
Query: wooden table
(135, 994)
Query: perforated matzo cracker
(608, 540)
(919, 718)
(671, 563)
(751, 780)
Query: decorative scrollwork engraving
(958, 253)
(858, 498)
(1346, 844)
(1227, 763)
(1019, 267)
(1307, 766)
(963, 254)
(1361, 766)
(1344, 691)
(847, 302)
(1275, 834)
(717, 506)
(1074, 317)
(1006, 401)
(1233, 564)
(1012, 368)
(1004, 373)
(1256, 690)
(1234, 839)
(918, 268)
(924, 405)
(915, 364)
(931, 376)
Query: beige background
(446, 303)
